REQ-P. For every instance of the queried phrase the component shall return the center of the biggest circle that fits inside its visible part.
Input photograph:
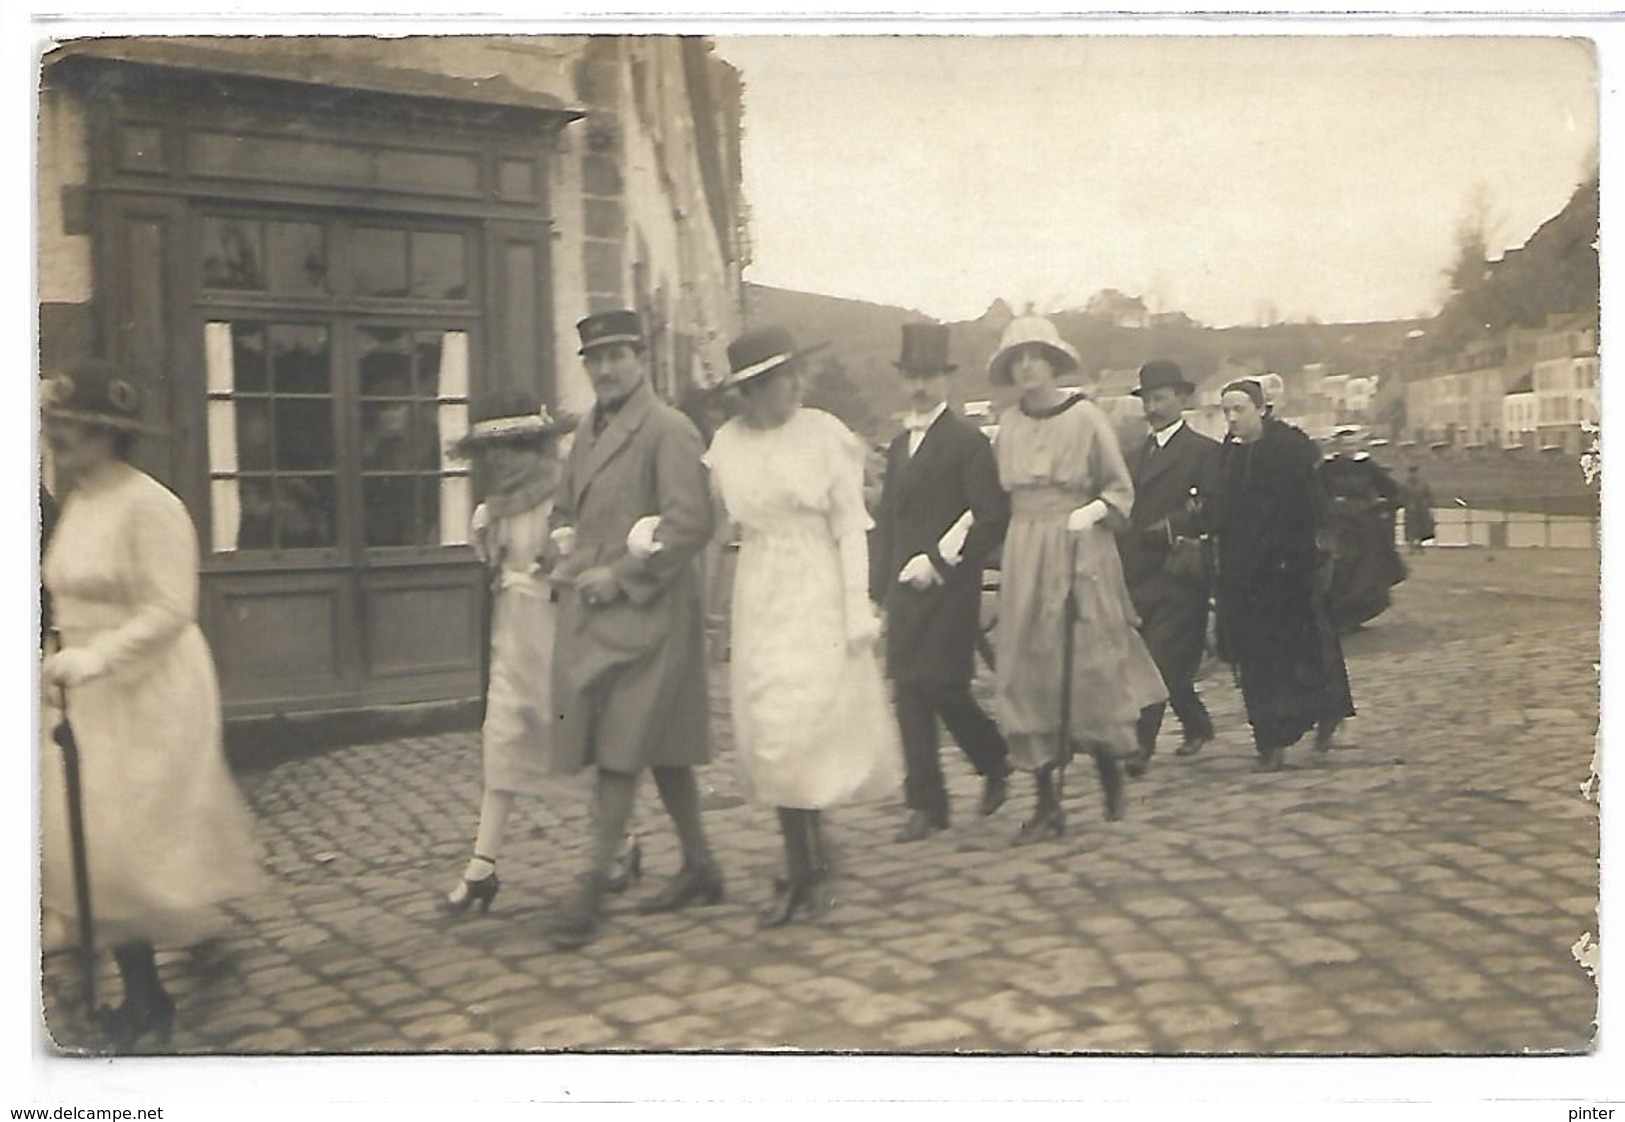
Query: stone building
(320, 250)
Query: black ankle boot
(147, 1006)
(1110, 769)
(1048, 820)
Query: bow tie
(918, 422)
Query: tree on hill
(832, 389)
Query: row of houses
(320, 251)
(1529, 387)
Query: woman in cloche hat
(811, 720)
(167, 835)
(1069, 488)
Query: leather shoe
(1272, 759)
(1138, 764)
(995, 789)
(1192, 745)
(919, 826)
(692, 884)
(1325, 730)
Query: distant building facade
(320, 251)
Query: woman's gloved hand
(73, 666)
(1086, 517)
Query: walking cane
(1069, 622)
(65, 739)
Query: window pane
(426, 436)
(380, 262)
(451, 379)
(306, 511)
(428, 345)
(254, 526)
(304, 434)
(233, 254)
(299, 352)
(225, 514)
(384, 365)
(296, 256)
(222, 427)
(386, 436)
(453, 424)
(253, 435)
(456, 507)
(389, 513)
(249, 369)
(438, 271)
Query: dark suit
(931, 633)
(1173, 609)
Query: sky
(1233, 179)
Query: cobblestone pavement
(1417, 890)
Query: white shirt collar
(926, 420)
(1164, 435)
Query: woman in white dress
(515, 441)
(1069, 490)
(812, 724)
(168, 837)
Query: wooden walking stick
(69, 743)
(1069, 623)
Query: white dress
(812, 723)
(519, 700)
(168, 836)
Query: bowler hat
(925, 349)
(1160, 372)
(94, 391)
(1025, 330)
(603, 329)
(761, 352)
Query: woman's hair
(124, 442)
(1247, 386)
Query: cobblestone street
(1420, 889)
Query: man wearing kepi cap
(942, 514)
(1176, 474)
(633, 512)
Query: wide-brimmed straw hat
(510, 417)
(1029, 331)
(763, 351)
(94, 391)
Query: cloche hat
(1024, 331)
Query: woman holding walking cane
(167, 836)
(1072, 668)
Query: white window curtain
(225, 509)
(456, 493)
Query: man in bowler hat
(1177, 475)
(942, 514)
(632, 514)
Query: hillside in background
(856, 371)
(1556, 271)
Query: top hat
(510, 417)
(1160, 372)
(94, 391)
(925, 349)
(1025, 330)
(761, 352)
(602, 329)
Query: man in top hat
(1176, 472)
(942, 514)
(629, 663)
